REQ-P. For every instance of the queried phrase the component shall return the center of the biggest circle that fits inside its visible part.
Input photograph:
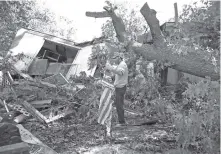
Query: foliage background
(31, 15)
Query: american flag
(105, 106)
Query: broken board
(18, 148)
(41, 103)
(65, 113)
(34, 112)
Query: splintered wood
(34, 112)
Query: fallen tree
(193, 63)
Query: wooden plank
(34, 112)
(25, 76)
(14, 148)
(6, 107)
(10, 79)
(48, 84)
(59, 116)
(41, 103)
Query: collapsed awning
(27, 44)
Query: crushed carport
(46, 55)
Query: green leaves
(32, 15)
(198, 122)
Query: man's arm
(116, 70)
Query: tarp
(29, 45)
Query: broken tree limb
(118, 24)
(103, 14)
(176, 17)
(191, 63)
(151, 19)
(92, 42)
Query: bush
(198, 121)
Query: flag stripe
(103, 99)
(103, 102)
(106, 111)
(105, 105)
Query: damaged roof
(51, 38)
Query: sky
(88, 28)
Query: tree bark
(191, 63)
(92, 42)
(103, 14)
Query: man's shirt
(121, 80)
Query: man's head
(117, 58)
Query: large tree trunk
(191, 63)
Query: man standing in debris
(121, 80)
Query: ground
(72, 135)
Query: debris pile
(42, 99)
(45, 100)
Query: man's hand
(108, 66)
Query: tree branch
(92, 42)
(103, 14)
(190, 63)
(152, 21)
(117, 21)
(118, 24)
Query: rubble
(57, 79)
(28, 137)
(38, 67)
(66, 112)
(18, 148)
(41, 103)
(34, 112)
(9, 134)
(20, 118)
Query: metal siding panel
(29, 45)
(81, 63)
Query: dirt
(72, 135)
